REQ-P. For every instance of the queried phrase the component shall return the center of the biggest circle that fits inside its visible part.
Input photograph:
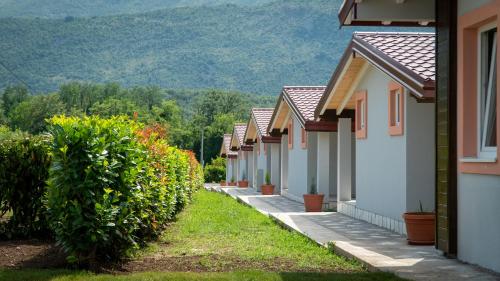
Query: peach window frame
(469, 26)
(396, 129)
(303, 138)
(361, 97)
(290, 133)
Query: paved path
(377, 248)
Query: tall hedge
(24, 168)
(113, 185)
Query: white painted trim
(292, 197)
(478, 160)
(483, 150)
(350, 209)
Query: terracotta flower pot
(267, 189)
(243, 183)
(231, 184)
(313, 202)
(223, 183)
(420, 228)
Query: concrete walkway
(377, 248)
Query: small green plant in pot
(313, 201)
(244, 182)
(420, 226)
(267, 188)
(232, 182)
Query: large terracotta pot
(223, 183)
(313, 202)
(267, 189)
(243, 184)
(231, 184)
(420, 228)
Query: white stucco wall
(478, 207)
(249, 167)
(241, 165)
(229, 169)
(297, 166)
(234, 170)
(284, 162)
(478, 227)
(254, 166)
(261, 167)
(420, 155)
(394, 172)
(274, 149)
(380, 158)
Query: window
(361, 114)
(396, 106)
(303, 138)
(487, 89)
(477, 87)
(290, 133)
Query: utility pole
(202, 161)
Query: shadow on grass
(56, 275)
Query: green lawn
(220, 239)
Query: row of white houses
(365, 140)
(390, 134)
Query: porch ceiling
(281, 118)
(251, 133)
(387, 12)
(348, 81)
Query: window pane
(491, 138)
(488, 96)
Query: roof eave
(419, 86)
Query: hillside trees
(182, 113)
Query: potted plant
(313, 201)
(232, 182)
(420, 227)
(223, 183)
(243, 182)
(268, 188)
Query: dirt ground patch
(30, 254)
(24, 254)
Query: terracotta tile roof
(227, 144)
(304, 99)
(415, 51)
(262, 117)
(240, 129)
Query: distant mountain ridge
(255, 49)
(90, 8)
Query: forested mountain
(254, 49)
(89, 8)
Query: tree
(30, 114)
(12, 96)
(146, 96)
(170, 114)
(216, 171)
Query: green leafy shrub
(24, 168)
(95, 192)
(114, 185)
(216, 171)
